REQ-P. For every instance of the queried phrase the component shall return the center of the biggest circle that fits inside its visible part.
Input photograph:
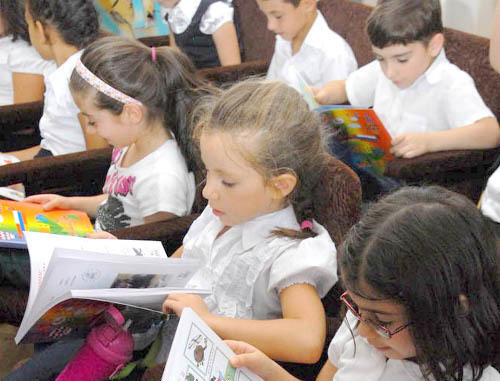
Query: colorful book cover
(362, 130)
(17, 217)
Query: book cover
(362, 130)
(197, 353)
(18, 217)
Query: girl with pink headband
(139, 100)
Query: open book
(74, 279)
(363, 132)
(17, 217)
(197, 353)
(13, 192)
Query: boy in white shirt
(426, 103)
(305, 45)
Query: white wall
(472, 16)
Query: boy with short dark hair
(426, 103)
(305, 45)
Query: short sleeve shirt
(60, 127)
(323, 56)
(180, 16)
(442, 98)
(159, 182)
(247, 267)
(19, 57)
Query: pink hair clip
(102, 86)
(306, 224)
(153, 54)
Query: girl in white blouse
(21, 67)
(266, 260)
(205, 30)
(422, 295)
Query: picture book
(73, 280)
(361, 129)
(18, 217)
(198, 354)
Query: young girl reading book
(265, 258)
(21, 67)
(422, 295)
(60, 30)
(204, 30)
(144, 114)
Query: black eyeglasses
(381, 329)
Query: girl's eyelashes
(227, 184)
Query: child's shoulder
(446, 75)
(323, 37)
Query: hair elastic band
(102, 86)
(153, 54)
(306, 224)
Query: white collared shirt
(19, 57)
(490, 199)
(247, 268)
(59, 126)
(181, 15)
(442, 98)
(324, 56)
(356, 359)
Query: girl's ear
(435, 44)
(284, 184)
(132, 113)
(42, 32)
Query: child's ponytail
(162, 79)
(286, 137)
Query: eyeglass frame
(381, 329)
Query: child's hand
(100, 235)
(51, 201)
(250, 357)
(410, 144)
(332, 93)
(177, 302)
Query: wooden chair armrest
(433, 165)
(50, 174)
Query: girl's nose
(367, 330)
(271, 24)
(209, 191)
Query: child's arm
(298, 337)
(27, 87)
(87, 204)
(485, 133)
(92, 141)
(495, 41)
(334, 92)
(25, 154)
(226, 43)
(253, 359)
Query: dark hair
(403, 22)
(75, 20)
(12, 13)
(168, 87)
(288, 137)
(423, 248)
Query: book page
(42, 245)
(197, 353)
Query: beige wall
(472, 16)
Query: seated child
(60, 30)
(143, 114)
(422, 295)
(21, 67)
(426, 103)
(305, 45)
(265, 258)
(205, 30)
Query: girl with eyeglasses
(422, 295)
